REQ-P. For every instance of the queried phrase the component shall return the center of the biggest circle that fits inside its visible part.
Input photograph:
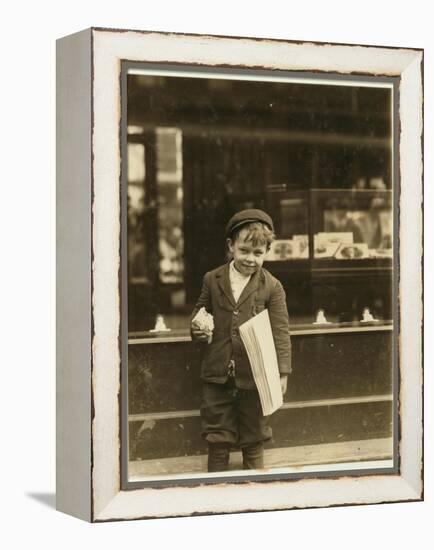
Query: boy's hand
(284, 383)
(199, 334)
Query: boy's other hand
(199, 334)
(284, 383)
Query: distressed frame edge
(113, 510)
(101, 29)
(409, 491)
(73, 292)
(411, 162)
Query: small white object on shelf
(160, 325)
(367, 316)
(321, 318)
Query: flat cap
(248, 216)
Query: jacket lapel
(224, 283)
(251, 287)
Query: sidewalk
(369, 453)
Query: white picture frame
(88, 267)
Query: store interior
(316, 156)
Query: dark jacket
(262, 291)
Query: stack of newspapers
(258, 340)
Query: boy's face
(247, 258)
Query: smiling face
(248, 254)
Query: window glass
(317, 158)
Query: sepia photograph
(217, 235)
(246, 220)
(259, 269)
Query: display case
(334, 253)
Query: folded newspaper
(258, 340)
(204, 321)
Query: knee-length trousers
(232, 415)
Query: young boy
(231, 411)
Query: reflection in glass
(356, 224)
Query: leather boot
(218, 457)
(253, 456)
